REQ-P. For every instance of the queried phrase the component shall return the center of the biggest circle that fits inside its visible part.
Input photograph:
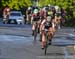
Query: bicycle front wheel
(46, 45)
(46, 48)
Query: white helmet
(56, 7)
(29, 8)
(35, 11)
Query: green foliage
(66, 4)
(63, 3)
(16, 4)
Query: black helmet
(57, 14)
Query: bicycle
(47, 42)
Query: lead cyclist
(49, 25)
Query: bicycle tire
(46, 46)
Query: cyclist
(42, 15)
(35, 20)
(49, 14)
(57, 20)
(48, 25)
(28, 13)
(6, 12)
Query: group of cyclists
(46, 19)
(43, 19)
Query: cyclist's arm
(43, 21)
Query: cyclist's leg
(40, 31)
(38, 25)
(33, 28)
(43, 38)
(50, 37)
(43, 42)
(4, 18)
(51, 34)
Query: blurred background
(67, 5)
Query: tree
(16, 4)
(63, 3)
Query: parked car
(16, 17)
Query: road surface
(17, 43)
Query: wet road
(18, 43)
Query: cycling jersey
(48, 25)
(49, 13)
(29, 11)
(36, 17)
